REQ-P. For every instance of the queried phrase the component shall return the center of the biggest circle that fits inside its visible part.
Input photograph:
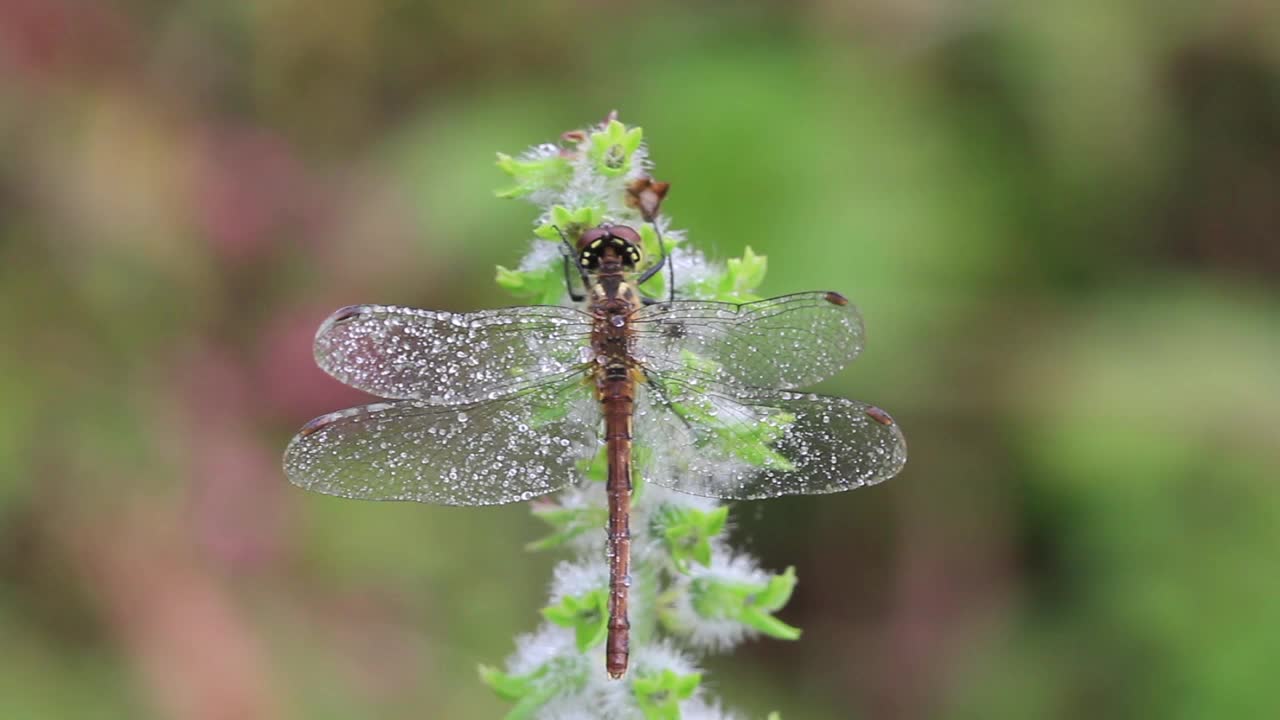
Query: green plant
(691, 592)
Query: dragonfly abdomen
(618, 401)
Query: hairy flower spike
(690, 593)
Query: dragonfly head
(609, 247)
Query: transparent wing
(449, 358)
(745, 445)
(487, 453)
(783, 342)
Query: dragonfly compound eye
(627, 243)
(589, 245)
(622, 240)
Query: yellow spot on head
(586, 261)
(597, 242)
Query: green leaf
(699, 364)
(532, 690)
(738, 281)
(507, 687)
(557, 408)
(717, 520)
(769, 625)
(531, 175)
(640, 456)
(586, 614)
(596, 468)
(750, 442)
(568, 523)
(543, 286)
(659, 694)
(686, 684)
(747, 272)
(751, 604)
(778, 591)
(613, 147)
(570, 222)
(687, 534)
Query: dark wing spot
(315, 425)
(836, 298)
(879, 415)
(344, 314)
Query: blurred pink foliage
(43, 39)
(184, 632)
(252, 193)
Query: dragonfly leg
(568, 284)
(671, 275)
(568, 255)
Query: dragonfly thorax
(609, 248)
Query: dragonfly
(501, 406)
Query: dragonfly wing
(762, 443)
(448, 358)
(788, 342)
(488, 453)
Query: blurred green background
(1062, 223)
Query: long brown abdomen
(618, 400)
